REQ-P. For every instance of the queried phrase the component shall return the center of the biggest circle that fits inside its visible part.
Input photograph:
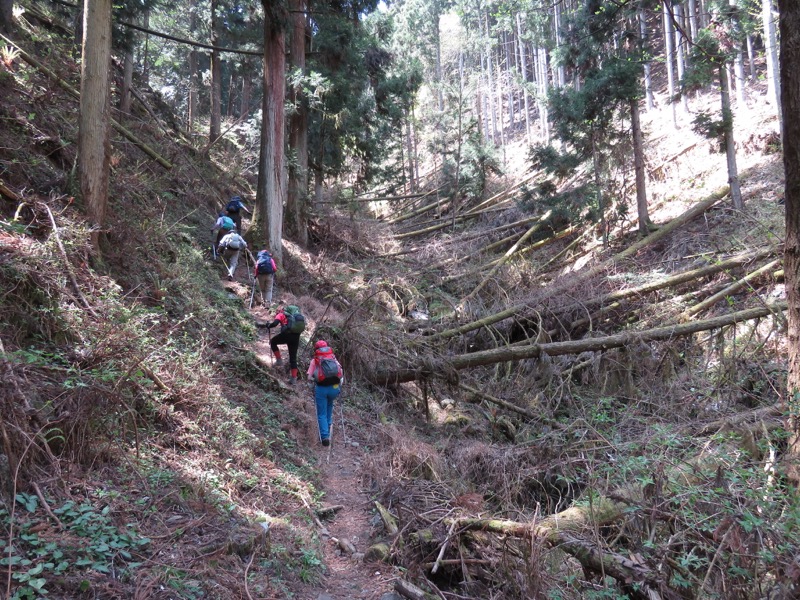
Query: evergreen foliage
(586, 118)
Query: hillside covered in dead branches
(539, 403)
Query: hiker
(223, 225)
(326, 375)
(229, 248)
(264, 271)
(292, 324)
(233, 210)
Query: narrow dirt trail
(346, 576)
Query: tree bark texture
(297, 193)
(125, 94)
(412, 185)
(790, 102)
(95, 112)
(6, 16)
(680, 54)
(271, 194)
(730, 146)
(244, 110)
(771, 52)
(194, 75)
(643, 35)
(194, 88)
(638, 167)
(738, 59)
(669, 39)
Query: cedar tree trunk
(730, 146)
(93, 123)
(6, 16)
(127, 82)
(298, 130)
(638, 166)
(215, 128)
(270, 196)
(790, 104)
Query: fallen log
(509, 253)
(573, 279)
(441, 224)
(427, 368)
(752, 416)
(602, 511)
(535, 246)
(731, 289)
(416, 212)
(408, 590)
(482, 234)
(612, 300)
(374, 199)
(674, 280)
(507, 405)
(642, 583)
(9, 193)
(500, 196)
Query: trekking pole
(253, 279)
(269, 338)
(214, 250)
(341, 416)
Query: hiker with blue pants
(326, 377)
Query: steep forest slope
(543, 417)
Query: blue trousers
(324, 396)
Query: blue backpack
(234, 205)
(264, 263)
(228, 224)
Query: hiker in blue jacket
(223, 225)
(233, 210)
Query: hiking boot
(292, 380)
(230, 277)
(278, 362)
(326, 441)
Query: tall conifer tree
(95, 107)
